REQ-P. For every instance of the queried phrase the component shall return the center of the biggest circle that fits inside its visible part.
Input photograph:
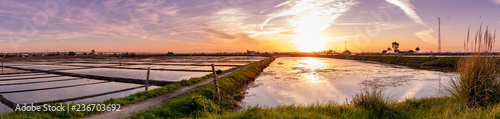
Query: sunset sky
(238, 25)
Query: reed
(477, 82)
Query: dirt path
(131, 109)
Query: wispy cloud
(496, 1)
(409, 9)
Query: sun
(309, 28)
(310, 43)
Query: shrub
(477, 84)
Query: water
(35, 80)
(4, 109)
(114, 95)
(47, 84)
(15, 75)
(39, 80)
(46, 67)
(224, 63)
(8, 70)
(300, 80)
(63, 93)
(140, 74)
(210, 68)
(26, 76)
(87, 64)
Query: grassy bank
(199, 103)
(428, 108)
(131, 99)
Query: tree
(385, 51)
(389, 49)
(417, 49)
(71, 53)
(395, 46)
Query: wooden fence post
(216, 84)
(2, 63)
(120, 60)
(147, 80)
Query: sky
(184, 26)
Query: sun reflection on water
(308, 68)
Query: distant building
(170, 53)
(251, 52)
(347, 52)
(408, 52)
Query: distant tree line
(395, 48)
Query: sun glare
(311, 43)
(308, 29)
(310, 18)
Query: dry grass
(477, 84)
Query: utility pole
(345, 47)
(439, 30)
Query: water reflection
(299, 80)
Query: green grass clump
(375, 101)
(477, 84)
(188, 106)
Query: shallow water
(35, 80)
(63, 93)
(87, 64)
(140, 74)
(4, 109)
(47, 84)
(302, 80)
(27, 76)
(114, 95)
(72, 63)
(46, 67)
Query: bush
(477, 84)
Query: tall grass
(374, 100)
(477, 84)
